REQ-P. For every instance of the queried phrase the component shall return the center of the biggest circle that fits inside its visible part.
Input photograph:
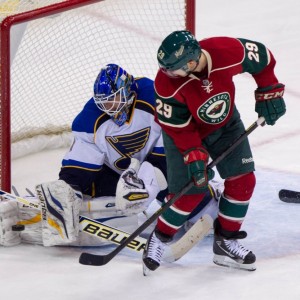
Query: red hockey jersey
(190, 108)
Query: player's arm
(260, 62)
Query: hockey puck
(17, 227)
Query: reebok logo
(247, 160)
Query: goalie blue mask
(114, 92)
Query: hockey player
(114, 169)
(195, 105)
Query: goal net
(51, 52)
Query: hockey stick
(195, 234)
(173, 252)
(19, 199)
(114, 235)
(100, 260)
(289, 196)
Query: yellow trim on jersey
(96, 125)
(158, 154)
(93, 190)
(132, 113)
(81, 168)
(133, 108)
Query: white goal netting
(55, 59)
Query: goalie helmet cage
(51, 52)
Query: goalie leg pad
(60, 205)
(99, 207)
(92, 234)
(31, 218)
(8, 218)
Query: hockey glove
(196, 160)
(132, 196)
(269, 103)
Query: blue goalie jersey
(102, 150)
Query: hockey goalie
(114, 169)
(55, 219)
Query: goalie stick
(103, 231)
(289, 196)
(100, 260)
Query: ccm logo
(268, 96)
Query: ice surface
(35, 272)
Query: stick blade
(191, 238)
(289, 196)
(89, 259)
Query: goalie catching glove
(138, 186)
(269, 103)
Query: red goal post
(51, 52)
